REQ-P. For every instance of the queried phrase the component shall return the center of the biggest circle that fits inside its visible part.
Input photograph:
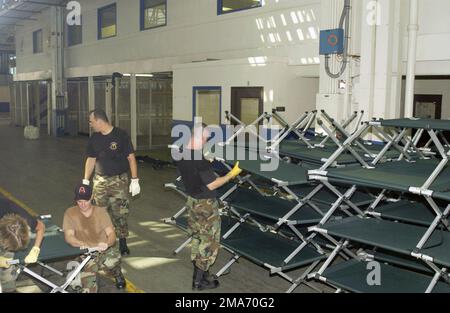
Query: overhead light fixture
(139, 75)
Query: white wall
(433, 50)
(194, 32)
(281, 86)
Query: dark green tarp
(353, 276)
(398, 176)
(417, 123)
(392, 236)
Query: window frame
(142, 17)
(69, 44)
(99, 21)
(220, 10)
(194, 100)
(42, 41)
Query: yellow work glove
(234, 172)
(4, 262)
(32, 257)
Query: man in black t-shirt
(201, 182)
(15, 226)
(111, 154)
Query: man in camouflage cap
(201, 182)
(89, 226)
(111, 155)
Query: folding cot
(53, 248)
(407, 228)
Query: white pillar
(116, 107)
(28, 102)
(108, 99)
(330, 98)
(133, 109)
(91, 96)
(49, 108)
(378, 91)
(413, 29)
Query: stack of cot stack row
(323, 206)
(405, 229)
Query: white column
(38, 104)
(133, 109)
(381, 69)
(413, 29)
(108, 99)
(27, 85)
(91, 96)
(116, 95)
(49, 108)
(329, 97)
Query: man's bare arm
(69, 236)
(133, 165)
(89, 168)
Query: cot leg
(227, 266)
(183, 245)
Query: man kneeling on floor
(15, 227)
(89, 226)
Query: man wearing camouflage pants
(89, 226)
(201, 182)
(111, 155)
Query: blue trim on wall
(99, 24)
(194, 99)
(142, 16)
(4, 107)
(221, 12)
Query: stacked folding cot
(252, 218)
(406, 226)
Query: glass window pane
(108, 19)
(235, 5)
(38, 41)
(208, 106)
(74, 35)
(154, 14)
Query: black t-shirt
(7, 207)
(196, 174)
(111, 152)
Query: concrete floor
(43, 174)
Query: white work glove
(32, 257)
(86, 182)
(135, 188)
(4, 262)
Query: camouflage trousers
(204, 227)
(111, 192)
(8, 276)
(108, 261)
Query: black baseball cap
(83, 192)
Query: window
(153, 13)
(75, 34)
(228, 6)
(38, 41)
(107, 22)
(207, 104)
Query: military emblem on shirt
(113, 146)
